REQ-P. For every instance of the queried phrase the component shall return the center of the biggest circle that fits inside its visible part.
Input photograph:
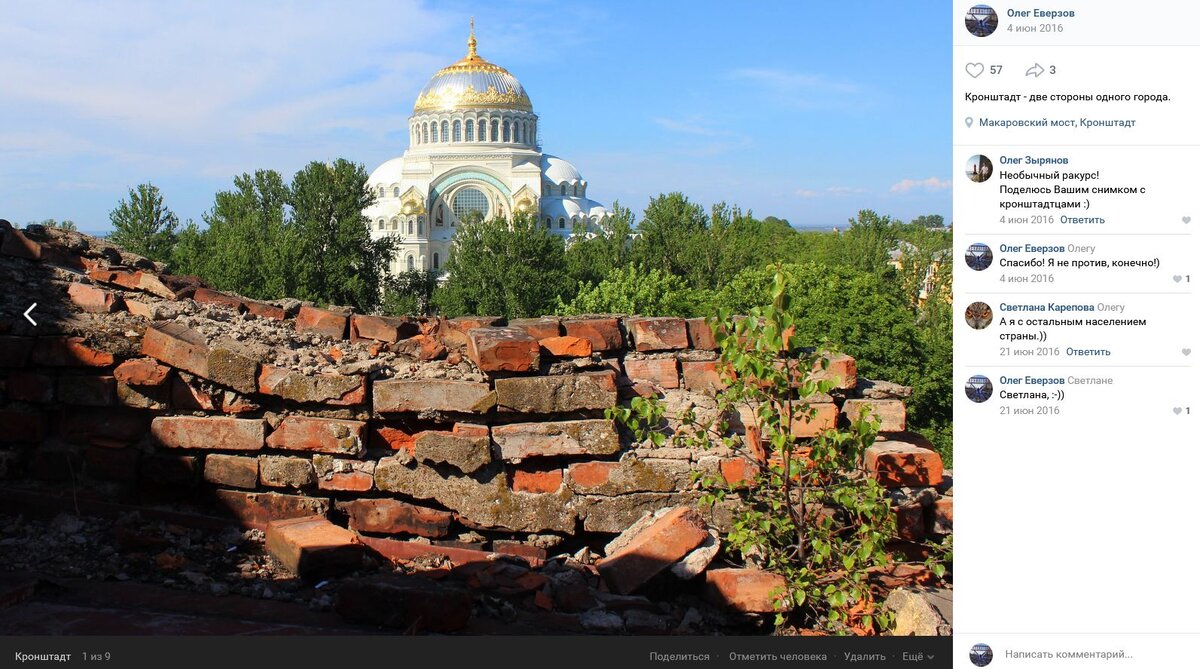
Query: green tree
(142, 224)
(335, 260)
(672, 237)
(929, 221)
(630, 290)
(589, 261)
(869, 241)
(410, 293)
(247, 248)
(506, 268)
(51, 223)
(190, 253)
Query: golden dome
(472, 83)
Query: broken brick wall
(144, 389)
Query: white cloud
(931, 184)
(831, 191)
(799, 89)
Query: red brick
(143, 397)
(14, 351)
(209, 296)
(346, 481)
(187, 394)
(153, 284)
(335, 389)
(505, 349)
(21, 426)
(657, 334)
(29, 387)
(558, 393)
(186, 349)
(421, 347)
(471, 430)
(891, 414)
(453, 331)
(142, 309)
(395, 438)
(942, 521)
(314, 547)
(662, 372)
(319, 435)
(104, 426)
(660, 545)
(700, 335)
(910, 521)
(592, 474)
(570, 437)
(538, 328)
(739, 472)
(68, 352)
(112, 464)
(208, 433)
(116, 276)
(256, 509)
(88, 391)
(702, 375)
(16, 244)
(603, 333)
(410, 603)
(231, 470)
(566, 346)
(537, 481)
(381, 328)
(747, 590)
(142, 372)
(824, 417)
(431, 395)
(897, 463)
(509, 547)
(263, 310)
(842, 370)
(390, 516)
(322, 322)
(94, 300)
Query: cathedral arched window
(547, 222)
(433, 136)
(495, 131)
(445, 131)
(562, 189)
(440, 213)
(381, 191)
(424, 133)
(436, 263)
(506, 131)
(411, 264)
(395, 191)
(380, 224)
(470, 130)
(410, 227)
(458, 131)
(561, 224)
(420, 227)
(395, 224)
(517, 132)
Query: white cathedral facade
(473, 147)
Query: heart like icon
(1177, 278)
(1187, 351)
(974, 69)
(1177, 410)
(1187, 219)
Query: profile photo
(979, 257)
(979, 389)
(979, 168)
(979, 315)
(982, 20)
(981, 655)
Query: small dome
(472, 83)
(556, 170)
(387, 174)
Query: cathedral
(473, 147)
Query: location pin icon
(970, 121)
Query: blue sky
(804, 110)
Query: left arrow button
(27, 316)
